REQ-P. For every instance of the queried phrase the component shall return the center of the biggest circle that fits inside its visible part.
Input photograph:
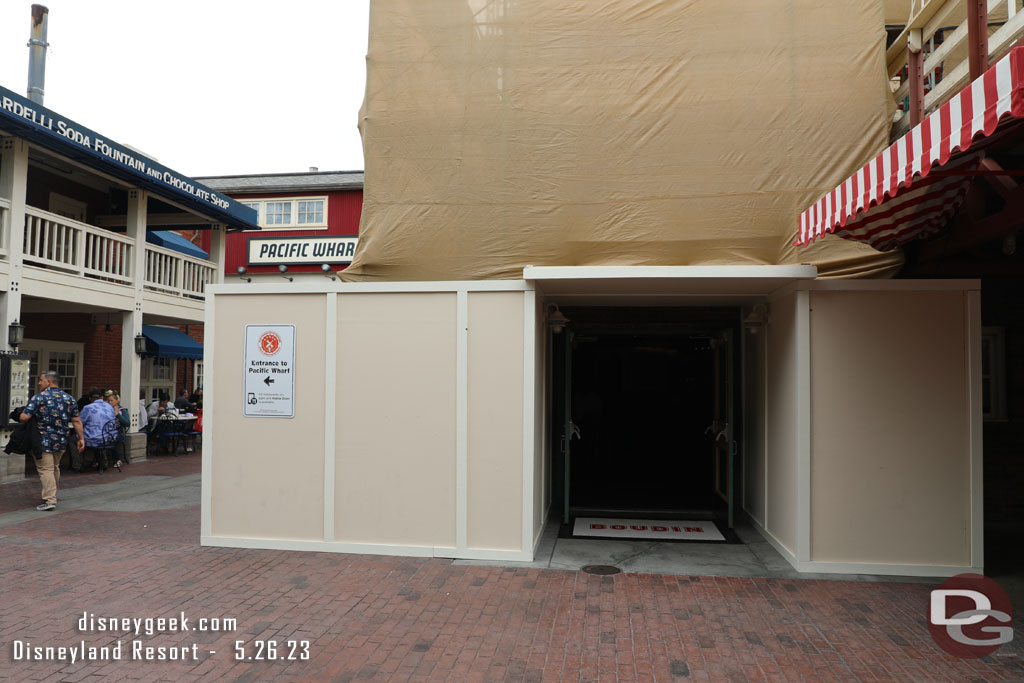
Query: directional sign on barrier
(269, 371)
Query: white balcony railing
(67, 245)
(5, 217)
(943, 34)
(173, 273)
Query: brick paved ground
(387, 618)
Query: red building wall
(101, 350)
(101, 366)
(344, 210)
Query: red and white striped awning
(892, 200)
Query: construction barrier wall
(413, 431)
(423, 421)
(871, 457)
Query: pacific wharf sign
(29, 115)
(272, 251)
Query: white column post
(13, 186)
(218, 239)
(131, 321)
(131, 365)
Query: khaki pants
(49, 474)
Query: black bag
(25, 437)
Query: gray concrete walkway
(755, 557)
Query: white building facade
(75, 212)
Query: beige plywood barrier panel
(890, 470)
(395, 429)
(495, 421)
(781, 448)
(754, 425)
(541, 454)
(267, 473)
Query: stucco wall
(890, 443)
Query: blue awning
(167, 342)
(172, 240)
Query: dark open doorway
(646, 394)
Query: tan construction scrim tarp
(897, 12)
(501, 134)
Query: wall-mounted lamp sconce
(140, 344)
(326, 270)
(241, 274)
(758, 317)
(556, 321)
(15, 334)
(1009, 247)
(283, 270)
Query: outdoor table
(183, 423)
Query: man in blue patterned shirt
(55, 412)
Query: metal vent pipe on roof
(37, 54)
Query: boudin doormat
(647, 529)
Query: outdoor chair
(189, 432)
(164, 434)
(181, 433)
(112, 448)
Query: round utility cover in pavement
(601, 569)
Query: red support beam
(977, 37)
(915, 78)
(1000, 180)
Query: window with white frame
(64, 357)
(157, 378)
(290, 213)
(256, 206)
(993, 373)
(278, 213)
(197, 374)
(310, 212)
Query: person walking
(54, 410)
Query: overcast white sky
(206, 87)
